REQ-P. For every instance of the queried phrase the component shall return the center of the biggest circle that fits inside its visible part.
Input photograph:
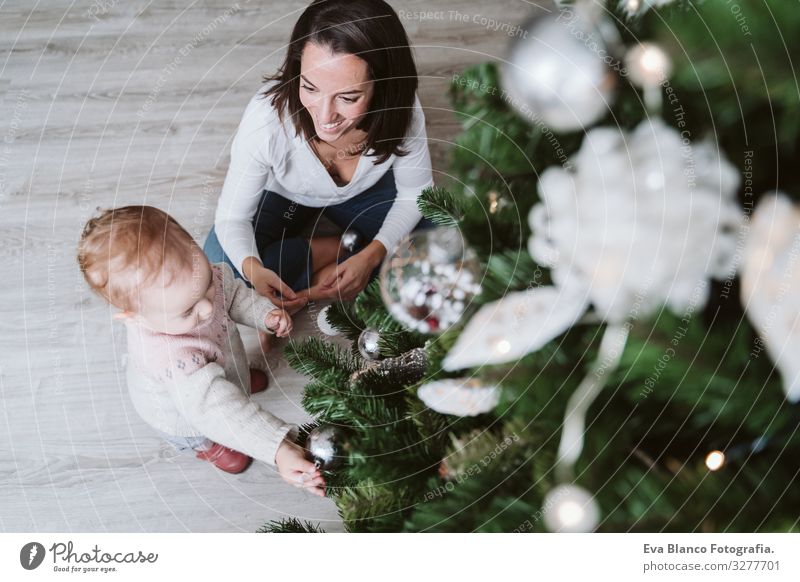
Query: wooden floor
(108, 103)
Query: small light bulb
(493, 202)
(715, 460)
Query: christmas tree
(607, 343)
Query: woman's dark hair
(372, 31)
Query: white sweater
(268, 154)
(198, 383)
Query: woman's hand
(297, 470)
(269, 285)
(352, 275)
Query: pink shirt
(198, 383)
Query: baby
(187, 370)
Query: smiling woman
(338, 130)
(336, 112)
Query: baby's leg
(182, 443)
(223, 458)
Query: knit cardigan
(198, 383)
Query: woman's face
(334, 89)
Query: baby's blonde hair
(122, 250)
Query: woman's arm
(244, 183)
(247, 175)
(412, 174)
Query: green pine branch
(441, 207)
(290, 525)
(372, 507)
(315, 357)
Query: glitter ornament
(368, 344)
(351, 240)
(570, 509)
(428, 282)
(460, 397)
(519, 323)
(323, 324)
(552, 77)
(324, 447)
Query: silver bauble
(648, 64)
(570, 509)
(351, 240)
(559, 74)
(368, 344)
(324, 447)
(428, 282)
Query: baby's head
(139, 259)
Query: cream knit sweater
(198, 383)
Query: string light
(493, 202)
(715, 460)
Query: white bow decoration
(644, 220)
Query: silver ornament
(368, 344)
(636, 8)
(401, 371)
(648, 64)
(648, 67)
(428, 282)
(324, 447)
(570, 509)
(351, 240)
(323, 325)
(560, 74)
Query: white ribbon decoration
(611, 347)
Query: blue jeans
(279, 221)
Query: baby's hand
(297, 471)
(279, 321)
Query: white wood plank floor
(108, 103)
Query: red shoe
(225, 459)
(258, 381)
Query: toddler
(187, 370)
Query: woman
(338, 128)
